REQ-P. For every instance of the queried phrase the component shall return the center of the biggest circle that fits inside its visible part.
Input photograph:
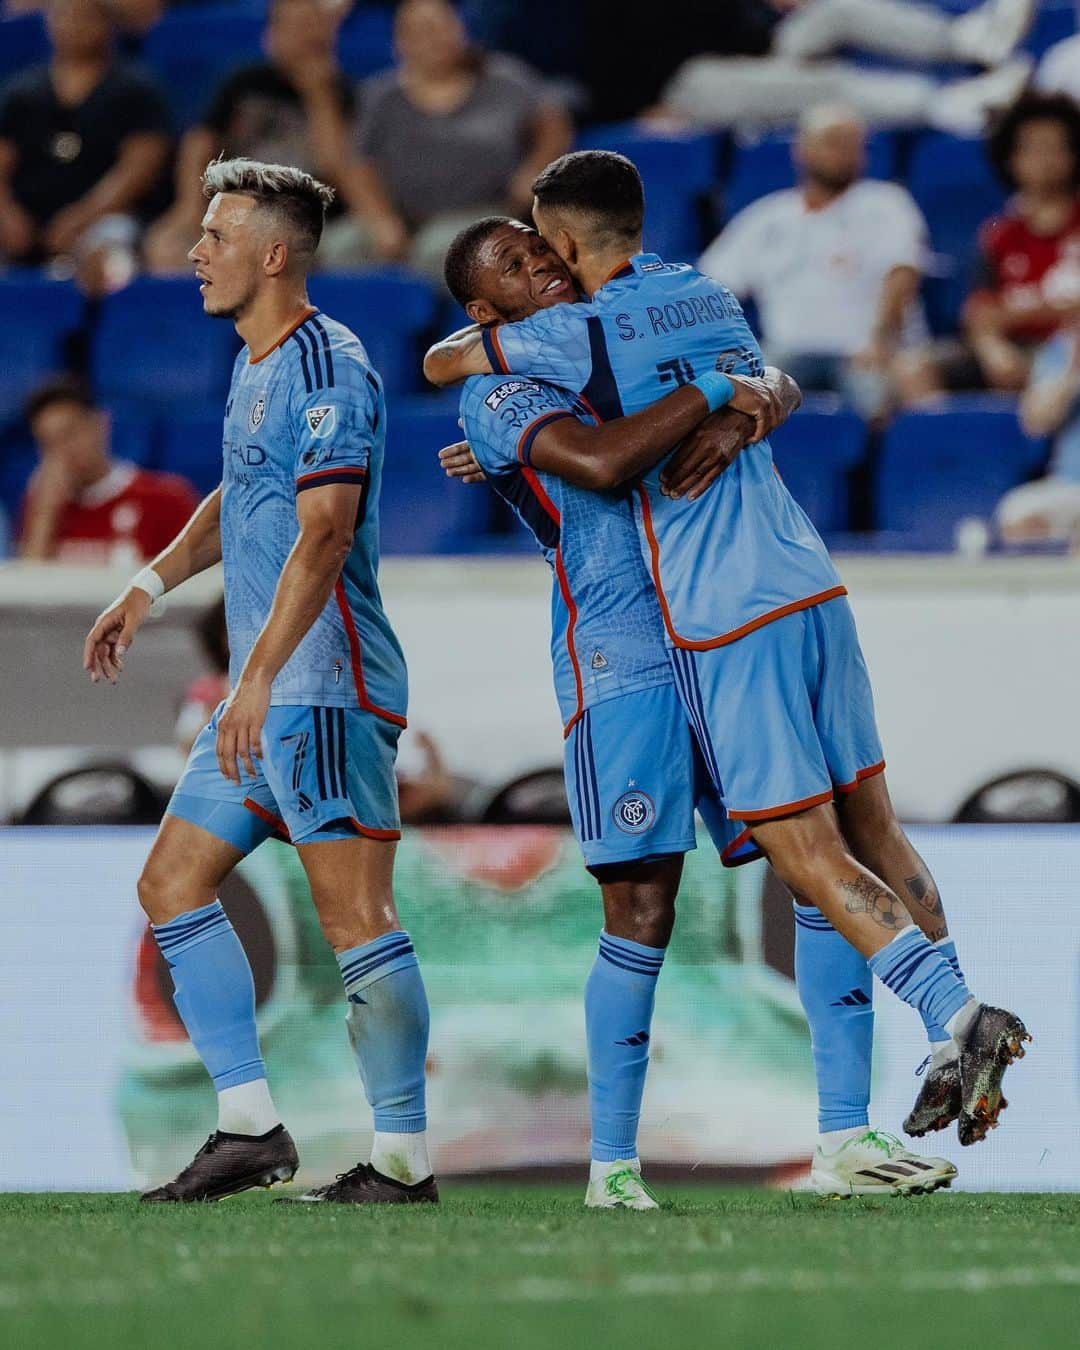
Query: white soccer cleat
(989, 34)
(876, 1163)
(619, 1187)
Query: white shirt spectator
(1059, 70)
(816, 275)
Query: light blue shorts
(785, 715)
(325, 772)
(634, 775)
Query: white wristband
(148, 580)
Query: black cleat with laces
(229, 1163)
(994, 1039)
(939, 1100)
(362, 1185)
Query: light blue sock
(947, 947)
(836, 990)
(388, 1027)
(918, 973)
(619, 997)
(214, 993)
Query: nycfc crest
(634, 812)
(257, 413)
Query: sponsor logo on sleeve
(504, 391)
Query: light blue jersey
(607, 635)
(307, 413)
(744, 553)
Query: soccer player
(304, 746)
(767, 659)
(632, 771)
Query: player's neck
(594, 269)
(270, 316)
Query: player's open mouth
(555, 284)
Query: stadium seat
(391, 310)
(156, 354)
(191, 50)
(422, 510)
(1055, 20)
(18, 459)
(366, 42)
(764, 164)
(815, 452)
(679, 173)
(191, 447)
(37, 316)
(23, 43)
(941, 465)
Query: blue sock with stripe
(619, 997)
(836, 990)
(916, 971)
(939, 1038)
(388, 1027)
(213, 992)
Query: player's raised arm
(455, 358)
(195, 548)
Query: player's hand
(458, 461)
(114, 630)
(705, 454)
(759, 401)
(239, 736)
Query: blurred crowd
(424, 115)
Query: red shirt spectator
(1027, 272)
(83, 505)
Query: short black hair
(59, 389)
(1033, 108)
(459, 269)
(290, 193)
(598, 184)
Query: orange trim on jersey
(353, 471)
(707, 644)
(571, 607)
(493, 334)
(311, 309)
(369, 832)
(615, 272)
(860, 777)
(541, 496)
(736, 844)
(788, 809)
(269, 817)
(357, 662)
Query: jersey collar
(640, 262)
(311, 309)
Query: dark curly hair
(1034, 108)
(459, 268)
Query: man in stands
(82, 504)
(834, 265)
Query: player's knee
(804, 851)
(162, 894)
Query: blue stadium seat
(35, 316)
(18, 459)
(679, 172)
(192, 50)
(23, 43)
(1055, 20)
(422, 510)
(156, 354)
(958, 459)
(391, 310)
(366, 42)
(815, 452)
(191, 447)
(956, 189)
(764, 164)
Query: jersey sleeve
(502, 419)
(335, 425)
(552, 345)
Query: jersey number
(678, 370)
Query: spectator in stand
(296, 107)
(83, 146)
(451, 134)
(834, 265)
(81, 505)
(1049, 509)
(800, 72)
(1028, 270)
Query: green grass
(496, 1267)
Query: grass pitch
(496, 1267)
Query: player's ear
(276, 258)
(481, 312)
(566, 246)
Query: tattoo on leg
(865, 896)
(925, 893)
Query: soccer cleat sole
(826, 1192)
(264, 1178)
(984, 1114)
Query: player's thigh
(352, 886)
(751, 703)
(184, 869)
(639, 898)
(629, 770)
(844, 702)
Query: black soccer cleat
(362, 1185)
(228, 1164)
(995, 1038)
(939, 1101)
